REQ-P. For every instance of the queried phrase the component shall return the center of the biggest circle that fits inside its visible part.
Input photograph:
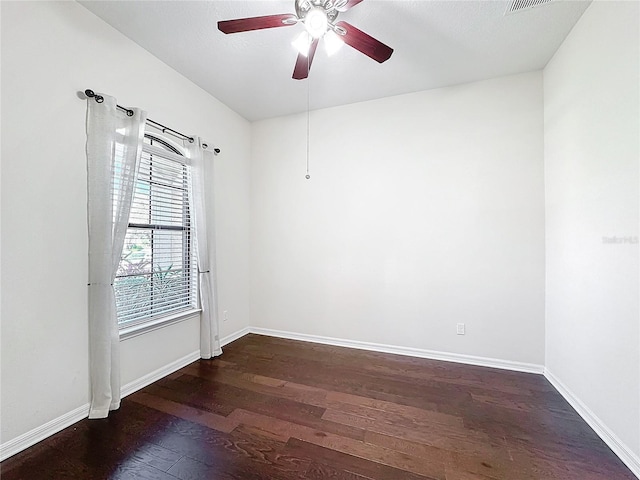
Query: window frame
(173, 152)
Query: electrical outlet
(460, 329)
(225, 315)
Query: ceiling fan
(319, 18)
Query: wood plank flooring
(271, 408)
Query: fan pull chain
(307, 176)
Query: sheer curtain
(201, 161)
(114, 146)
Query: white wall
(51, 50)
(591, 175)
(423, 210)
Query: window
(157, 274)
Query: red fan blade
(303, 64)
(364, 43)
(257, 23)
(348, 5)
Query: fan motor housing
(303, 7)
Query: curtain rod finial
(91, 94)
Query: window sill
(142, 328)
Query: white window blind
(157, 274)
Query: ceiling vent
(521, 5)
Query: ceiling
(436, 43)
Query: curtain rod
(99, 99)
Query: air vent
(521, 5)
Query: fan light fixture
(302, 43)
(332, 42)
(316, 22)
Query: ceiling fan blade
(364, 43)
(303, 64)
(257, 23)
(349, 4)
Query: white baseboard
(409, 351)
(32, 437)
(629, 458)
(161, 372)
(52, 427)
(234, 336)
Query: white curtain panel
(114, 146)
(201, 198)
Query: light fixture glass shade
(332, 42)
(302, 43)
(316, 22)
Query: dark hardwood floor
(270, 408)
